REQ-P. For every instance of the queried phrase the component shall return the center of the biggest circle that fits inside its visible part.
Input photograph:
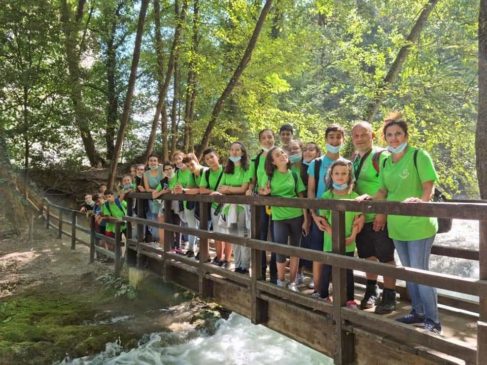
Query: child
(113, 207)
(339, 183)
(289, 224)
(126, 187)
(88, 204)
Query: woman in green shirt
(151, 180)
(289, 224)
(408, 175)
(235, 218)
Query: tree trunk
(235, 77)
(481, 132)
(163, 81)
(401, 57)
(191, 83)
(174, 108)
(16, 213)
(112, 98)
(70, 29)
(164, 133)
(130, 92)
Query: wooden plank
(437, 280)
(205, 285)
(409, 334)
(73, 230)
(481, 325)
(105, 252)
(60, 224)
(118, 248)
(258, 306)
(470, 210)
(92, 239)
(459, 253)
(345, 341)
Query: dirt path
(54, 303)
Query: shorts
(375, 244)
(315, 238)
(288, 229)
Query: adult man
(373, 242)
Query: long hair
(244, 160)
(269, 163)
(340, 162)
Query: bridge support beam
(482, 323)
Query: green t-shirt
(114, 211)
(238, 178)
(284, 185)
(368, 182)
(349, 218)
(213, 176)
(185, 178)
(170, 184)
(261, 175)
(402, 180)
(197, 179)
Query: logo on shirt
(404, 174)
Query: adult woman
(408, 175)
(235, 218)
(289, 224)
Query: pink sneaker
(351, 304)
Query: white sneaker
(299, 279)
(311, 284)
(293, 287)
(281, 284)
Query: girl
(339, 186)
(258, 175)
(151, 180)
(208, 184)
(165, 186)
(183, 180)
(288, 223)
(408, 175)
(317, 172)
(235, 218)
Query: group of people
(399, 172)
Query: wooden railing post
(168, 218)
(130, 213)
(60, 224)
(482, 323)
(46, 204)
(258, 307)
(140, 214)
(118, 248)
(92, 238)
(204, 285)
(344, 351)
(73, 230)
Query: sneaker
(311, 284)
(224, 264)
(370, 298)
(244, 271)
(315, 295)
(197, 257)
(281, 284)
(351, 304)
(387, 302)
(190, 253)
(293, 287)
(299, 279)
(411, 318)
(238, 269)
(431, 326)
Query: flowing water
(237, 341)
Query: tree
(73, 47)
(481, 132)
(235, 77)
(130, 92)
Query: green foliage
(120, 286)
(315, 63)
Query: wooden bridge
(348, 336)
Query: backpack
(197, 206)
(119, 205)
(375, 162)
(444, 224)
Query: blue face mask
(235, 158)
(398, 149)
(333, 149)
(154, 167)
(127, 186)
(340, 186)
(295, 158)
